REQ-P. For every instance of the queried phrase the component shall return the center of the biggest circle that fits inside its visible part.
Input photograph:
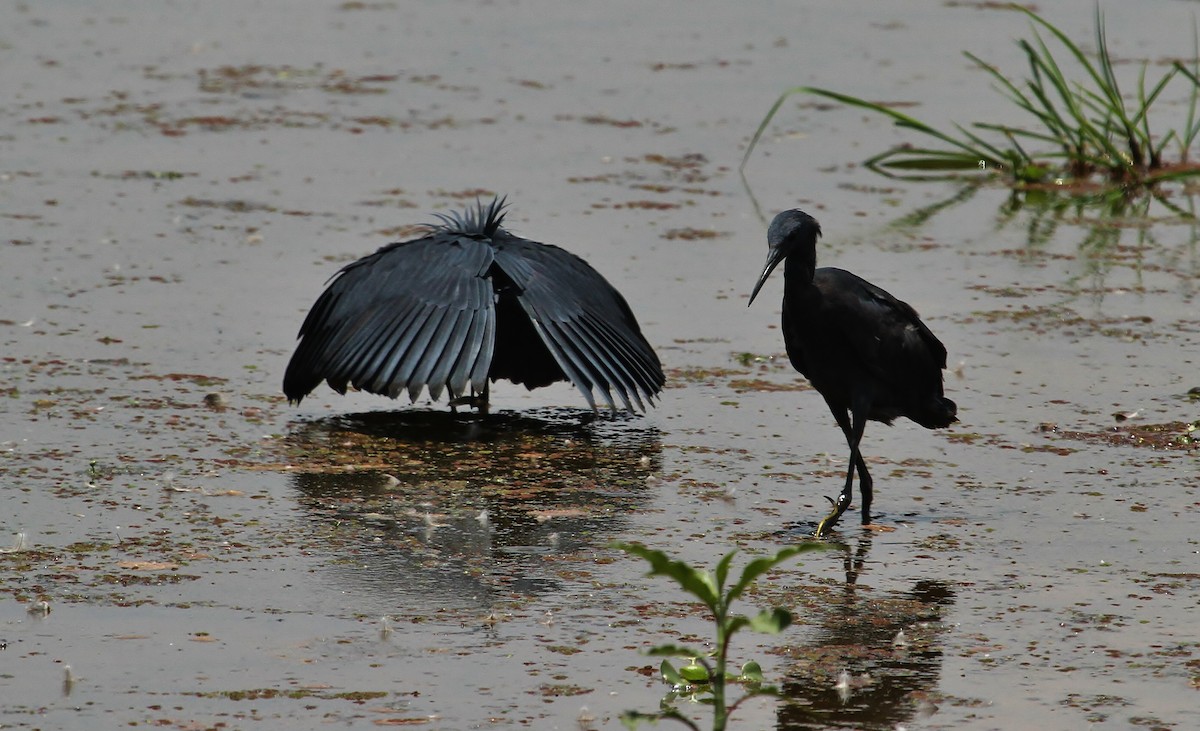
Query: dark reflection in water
(433, 511)
(877, 658)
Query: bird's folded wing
(890, 336)
(584, 322)
(412, 315)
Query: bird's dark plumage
(862, 349)
(468, 302)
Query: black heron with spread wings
(468, 303)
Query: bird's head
(791, 232)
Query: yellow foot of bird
(829, 520)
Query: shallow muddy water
(178, 180)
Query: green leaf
(632, 719)
(672, 651)
(696, 582)
(932, 160)
(670, 674)
(760, 566)
(695, 673)
(722, 571)
(771, 622)
(751, 673)
(771, 690)
(736, 623)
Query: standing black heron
(466, 303)
(862, 349)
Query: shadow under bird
(862, 349)
(468, 303)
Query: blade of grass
(1193, 121)
(1110, 84)
(1019, 98)
(1085, 133)
(1012, 132)
(901, 120)
(762, 126)
(954, 163)
(994, 153)
(1192, 127)
(1088, 121)
(1080, 56)
(1104, 77)
(1143, 115)
(927, 160)
(1047, 77)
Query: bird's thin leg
(856, 461)
(843, 500)
(478, 400)
(482, 403)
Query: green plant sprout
(1085, 130)
(706, 677)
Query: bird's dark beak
(773, 258)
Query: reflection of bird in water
(466, 303)
(865, 351)
(434, 511)
(876, 659)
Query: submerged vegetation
(1086, 133)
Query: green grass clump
(1085, 132)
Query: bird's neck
(798, 270)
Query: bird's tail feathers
(939, 412)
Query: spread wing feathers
(413, 315)
(584, 322)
